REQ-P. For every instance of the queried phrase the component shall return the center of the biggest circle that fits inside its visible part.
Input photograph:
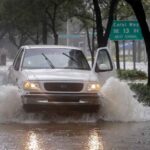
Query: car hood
(60, 74)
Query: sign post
(124, 55)
(126, 30)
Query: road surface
(32, 132)
(75, 136)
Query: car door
(15, 69)
(103, 65)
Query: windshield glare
(59, 58)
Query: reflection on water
(95, 142)
(32, 143)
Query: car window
(18, 60)
(55, 59)
(103, 61)
(19, 51)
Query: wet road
(75, 136)
(32, 132)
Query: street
(75, 75)
(75, 136)
(22, 131)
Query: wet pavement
(29, 132)
(75, 136)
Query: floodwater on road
(122, 123)
(75, 136)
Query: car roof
(49, 46)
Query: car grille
(74, 87)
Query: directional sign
(125, 30)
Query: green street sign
(125, 30)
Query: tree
(103, 35)
(123, 11)
(87, 17)
(56, 12)
(21, 23)
(141, 17)
(37, 19)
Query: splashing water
(119, 103)
(11, 110)
(10, 103)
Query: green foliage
(124, 10)
(27, 18)
(24, 19)
(142, 92)
(131, 74)
(146, 4)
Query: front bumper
(61, 101)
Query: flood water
(121, 124)
(75, 136)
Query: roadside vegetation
(131, 75)
(142, 92)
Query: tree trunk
(44, 30)
(93, 40)
(102, 37)
(99, 26)
(117, 50)
(55, 38)
(139, 51)
(93, 45)
(117, 55)
(111, 17)
(140, 14)
(37, 38)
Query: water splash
(119, 103)
(11, 107)
(10, 103)
(11, 111)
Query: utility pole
(134, 55)
(124, 55)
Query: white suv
(59, 77)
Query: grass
(131, 75)
(142, 92)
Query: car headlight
(28, 85)
(94, 87)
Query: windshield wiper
(48, 60)
(70, 57)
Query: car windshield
(54, 58)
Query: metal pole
(124, 60)
(134, 55)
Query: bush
(131, 74)
(142, 92)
